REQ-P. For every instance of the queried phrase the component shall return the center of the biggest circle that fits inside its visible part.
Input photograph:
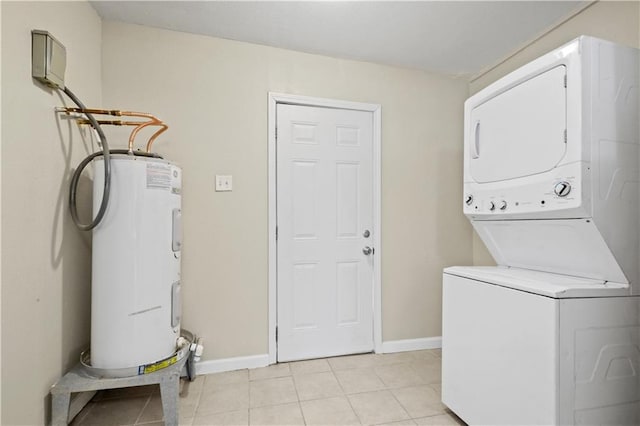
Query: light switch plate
(224, 183)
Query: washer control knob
(468, 199)
(492, 205)
(562, 189)
(503, 205)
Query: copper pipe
(140, 114)
(95, 111)
(116, 122)
(114, 112)
(153, 121)
(136, 130)
(155, 135)
(139, 126)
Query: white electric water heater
(135, 298)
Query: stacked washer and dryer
(551, 185)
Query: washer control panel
(533, 197)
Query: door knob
(367, 250)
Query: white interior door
(325, 222)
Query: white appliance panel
(534, 196)
(514, 357)
(135, 297)
(542, 283)
(601, 351)
(571, 247)
(603, 133)
(523, 191)
(521, 131)
(499, 354)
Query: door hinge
(277, 131)
(565, 135)
(276, 233)
(276, 334)
(565, 81)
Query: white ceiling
(449, 37)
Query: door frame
(376, 110)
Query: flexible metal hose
(73, 185)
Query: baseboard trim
(255, 361)
(230, 364)
(391, 346)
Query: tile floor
(400, 389)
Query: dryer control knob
(468, 199)
(492, 206)
(503, 205)
(562, 189)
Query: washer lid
(543, 283)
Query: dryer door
(521, 131)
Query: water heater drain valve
(197, 348)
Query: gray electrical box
(48, 59)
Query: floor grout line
(400, 403)
(349, 401)
(295, 387)
(80, 418)
(197, 407)
(293, 379)
(142, 411)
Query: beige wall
(0, 218)
(610, 20)
(45, 260)
(213, 93)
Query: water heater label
(158, 176)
